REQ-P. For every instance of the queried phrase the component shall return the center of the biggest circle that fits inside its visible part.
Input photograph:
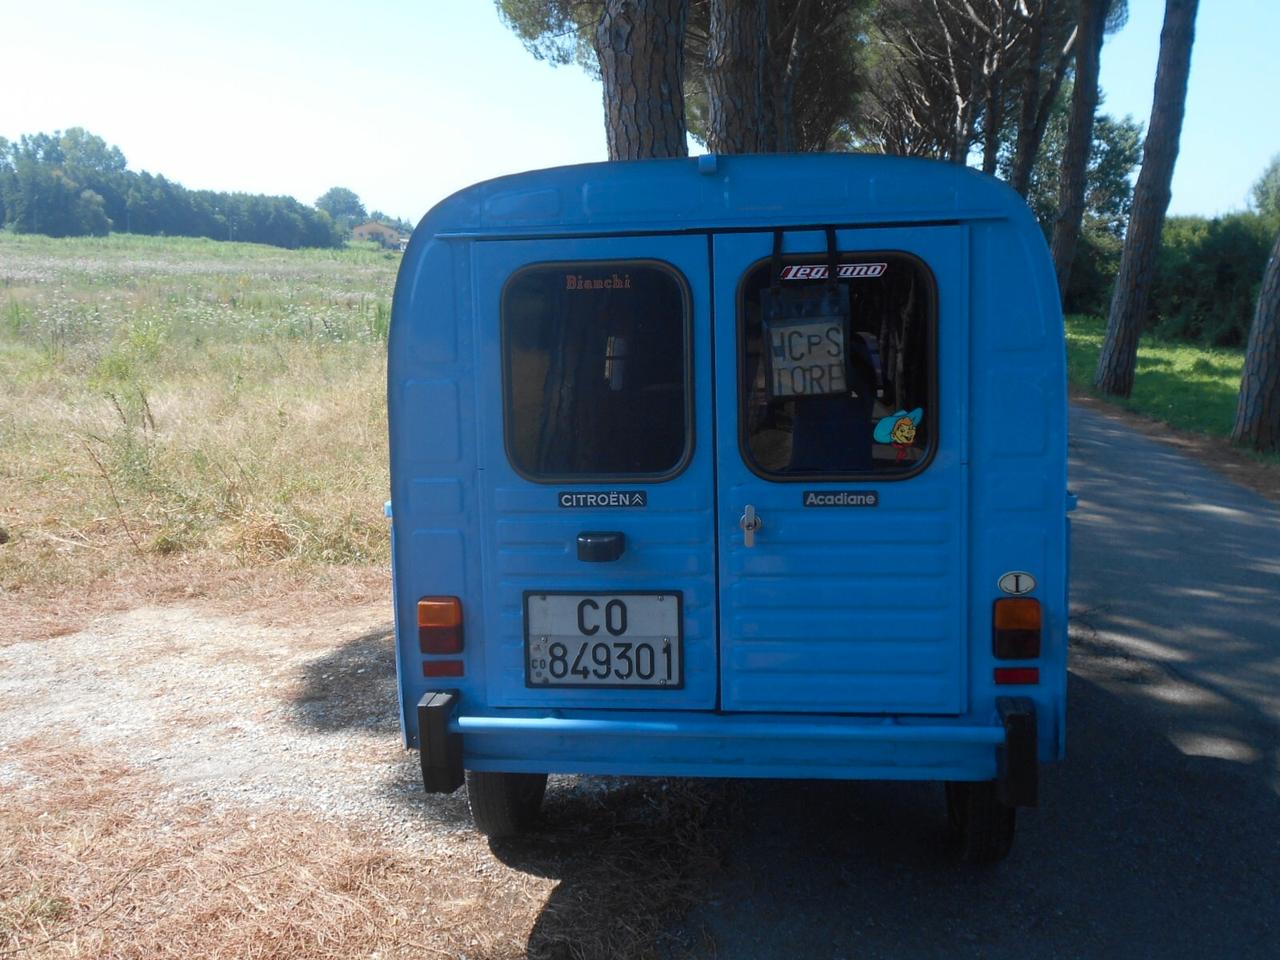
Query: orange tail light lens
(1016, 628)
(440, 625)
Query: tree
(737, 51)
(1258, 409)
(1108, 194)
(1150, 202)
(1264, 195)
(6, 178)
(1092, 27)
(786, 80)
(1044, 64)
(91, 162)
(930, 79)
(342, 205)
(802, 85)
(640, 49)
(951, 74)
(404, 226)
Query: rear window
(597, 370)
(838, 387)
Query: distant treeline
(72, 183)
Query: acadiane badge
(841, 498)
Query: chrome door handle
(750, 522)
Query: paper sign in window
(805, 337)
(807, 357)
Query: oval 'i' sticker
(1017, 582)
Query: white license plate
(603, 640)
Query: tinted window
(834, 395)
(597, 370)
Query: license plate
(603, 640)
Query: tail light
(442, 668)
(440, 625)
(1016, 628)
(1017, 676)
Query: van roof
(724, 192)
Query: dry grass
(190, 408)
(98, 863)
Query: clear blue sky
(405, 101)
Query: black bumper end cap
(439, 750)
(1018, 763)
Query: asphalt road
(1160, 834)
(1158, 837)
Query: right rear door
(851, 597)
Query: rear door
(850, 595)
(593, 368)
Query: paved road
(1159, 836)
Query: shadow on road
(1175, 564)
(353, 686)
(1138, 850)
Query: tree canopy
(1264, 195)
(342, 205)
(73, 183)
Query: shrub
(1093, 272)
(1207, 277)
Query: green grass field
(189, 401)
(1183, 384)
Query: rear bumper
(731, 745)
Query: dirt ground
(184, 781)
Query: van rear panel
(682, 540)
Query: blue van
(747, 466)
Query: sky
(406, 101)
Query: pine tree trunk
(1150, 202)
(1258, 411)
(1075, 156)
(784, 74)
(735, 77)
(994, 128)
(1028, 100)
(640, 47)
(1036, 107)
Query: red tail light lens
(1017, 675)
(442, 668)
(1016, 628)
(440, 625)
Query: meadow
(177, 410)
(1185, 385)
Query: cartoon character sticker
(900, 430)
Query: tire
(983, 827)
(505, 804)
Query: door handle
(750, 522)
(596, 547)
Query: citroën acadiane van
(746, 466)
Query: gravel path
(229, 709)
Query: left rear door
(593, 369)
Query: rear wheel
(983, 826)
(504, 804)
